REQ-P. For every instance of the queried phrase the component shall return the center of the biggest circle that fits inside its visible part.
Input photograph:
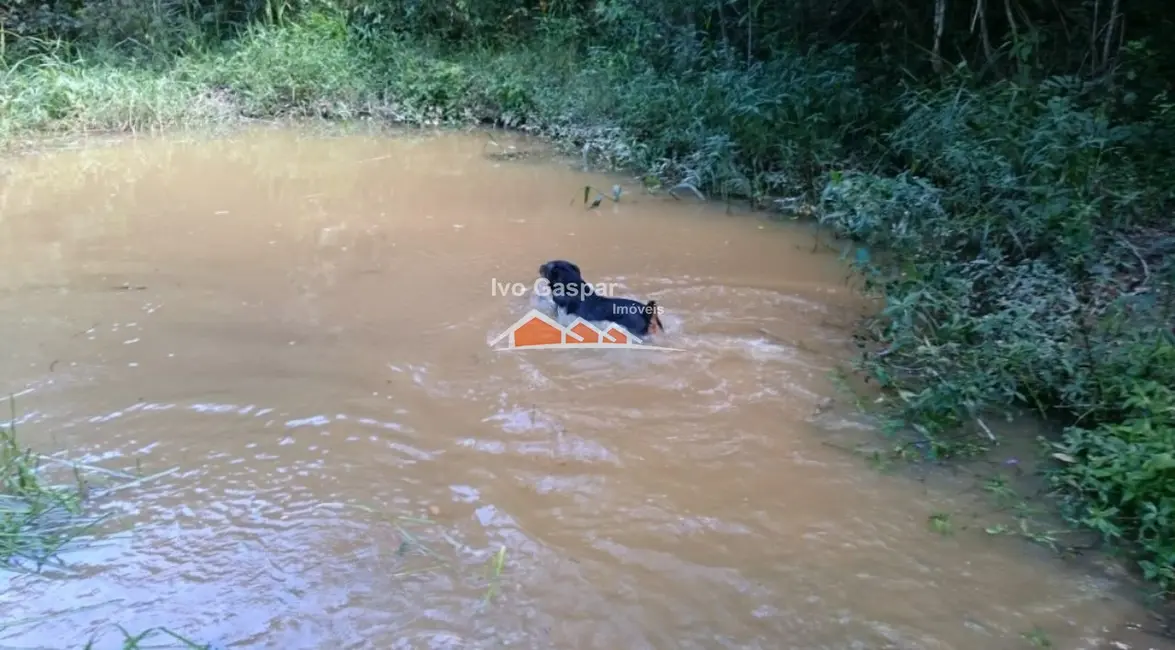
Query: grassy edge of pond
(46, 506)
(1011, 208)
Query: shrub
(1119, 478)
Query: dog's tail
(653, 319)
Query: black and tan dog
(575, 297)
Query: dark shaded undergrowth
(1010, 201)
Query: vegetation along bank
(1014, 161)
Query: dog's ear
(570, 269)
(568, 272)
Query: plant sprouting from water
(37, 518)
(940, 522)
(136, 641)
(497, 565)
(43, 512)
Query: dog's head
(560, 271)
(565, 282)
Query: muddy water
(300, 324)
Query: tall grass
(46, 502)
(38, 519)
(46, 510)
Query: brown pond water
(305, 335)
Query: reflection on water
(299, 324)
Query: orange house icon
(537, 330)
(620, 335)
(585, 332)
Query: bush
(1029, 263)
(304, 68)
(1119, 479)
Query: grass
(38, 519)
(136, 641)
(495, 575)
(41, 518)
(410, 542)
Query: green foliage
(37, 519)
(47, 93)
(136, 641)
(752, 131)
(1028, 261)
(1119, 479)
(303, 68)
